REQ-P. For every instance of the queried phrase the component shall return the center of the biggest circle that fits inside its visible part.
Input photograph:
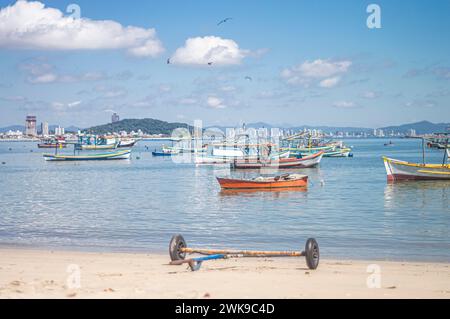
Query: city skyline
(300, 64)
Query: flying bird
(210, 63)
(248, 78)
(168, 61)
(224, 20)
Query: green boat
(118, 155)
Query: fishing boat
(213, 160)
(94, 142)
(342, 152)
(52, 145)
(165, 152)
(117, 155)
(398, 170)
(127, 143)
(283, 181)
(304, 162)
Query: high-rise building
(44, 128)
(115, 118)
(30, 125)
(59, 131)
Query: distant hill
(12, 128)
(423, 127)
(147, 126)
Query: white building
(59, 131)
(44, 128)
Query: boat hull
(227, 183)
(126, 144)
(162, 154)
(123, 155)
(306, 162)
(96, 147)
(213, 160)
(402, 171)
(52, 145)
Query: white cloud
(30, 25)
(421, 103)
(61, 106)
(164, 88)
(370, 95)
(325, 72)
(344, 105)
(330, 82)
(215, 102)
(39, 72)
(43, 78)
(110, 92)
(188, 101)
(228, 88)
(209, 49)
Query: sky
(286, 63)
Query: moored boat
(165, 152)
(305, 162)
(213, 160)
(94, 142)
(127, 143)
(284, 181)
(52, 145)
(400, 170)
(117, 155)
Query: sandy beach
(59, 274)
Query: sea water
(137, 205)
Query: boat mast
(445, 152)
(423, 150)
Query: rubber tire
(176, 243)
(312, 253)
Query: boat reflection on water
(275, 192)
(402, 193)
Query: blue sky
(281, 62)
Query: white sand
(45, 274)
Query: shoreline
(37, 273)
(165, 252)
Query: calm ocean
(138, 205)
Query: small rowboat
(401, 170)
(305, 162)
(284, 181)
(213, 160)
(119, 155)
(165, 152)
(128, 143)
(52, 145)
(94, 147)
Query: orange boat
(283, 181)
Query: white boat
(213, 160)
(127, 143)
(400, 170)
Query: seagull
(224, 20)
(248, 78)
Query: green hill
(147, 126)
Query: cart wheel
(177, 242)
(312, 253)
